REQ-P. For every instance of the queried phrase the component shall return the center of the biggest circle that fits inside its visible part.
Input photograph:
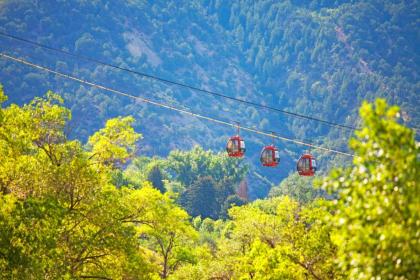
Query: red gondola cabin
(306, 165)
(270, 156)
(235, 146)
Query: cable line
(166, 81)
(170, 107)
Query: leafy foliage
(187, 167)
(200, 199)
(268, 239)
(114, 144)
(320, 58)
(297, 187)
(3, 98)
(155, 177)
(69, 211)
(369, 231)
(60, 215)
(203, 182)
(377, 213)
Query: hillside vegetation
(69, 209)
(319, 58)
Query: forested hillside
(70, 210)
(315, 58)
(325, 57)
(96, 183)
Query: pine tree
(155, 176)
(201, 198)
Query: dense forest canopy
(94, 185)
(71, 210)
(320, 58)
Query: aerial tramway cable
(163, 80)
(170, 107)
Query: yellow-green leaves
(3, 98)
(59, 215)
(190, 165)
(49, 119)
(115, 143)
(297, 187)
(377, 212)
(36, 157)
(268, 239)
(166, 230)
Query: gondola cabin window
(267, 156)
(306, 165)
(270, 156)
(235, 147)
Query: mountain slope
(316, 58)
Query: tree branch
(94, 277)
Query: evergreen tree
(155, 177)
(200, 199)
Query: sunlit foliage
(60, 215)
(377, 215)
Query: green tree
(115, 143)
(230, 201)
(297, 187)
(377, 213)
(166, 230)
(145, 169)
(200, 199)
(275, 238)
(181, 174)
(155, 177)
(279, 238)
(29, 232)
(59, 212)
(3, 98)
(188, 166)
